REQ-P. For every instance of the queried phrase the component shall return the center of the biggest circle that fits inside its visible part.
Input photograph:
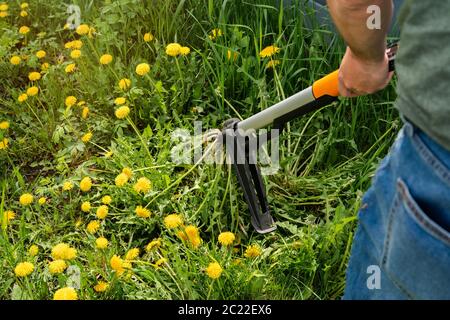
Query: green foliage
(328, 157)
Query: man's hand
(365, 67)
(359, 77)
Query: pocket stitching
(429, 227)
(387, 241)
(394, 208)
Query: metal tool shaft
(267, 116)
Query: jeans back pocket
(416, 254)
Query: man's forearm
(351, 16)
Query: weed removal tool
(322, 93)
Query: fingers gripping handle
(329, 85)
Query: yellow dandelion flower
(87, 137)
(85, 113)
(124, 84)
(142, 69)
(32, 91)
(195, 242)
(101, 286)
(4, 125)
(24, 30)
(106, 200)
(15, 60)
(75, 54)
(148, 37)
(121, 180)
(23, 5)
(214, 270)
(252, 251)
(106, 59)
(67, 186)
(33, 250)
(193, 235)
(126, 266)
(34, 76)
(4, 7)
(42, 201)
(232, 55)
(191, 231)
(4, 144)
(57, 266)
(184, 51)
(86, 183)
(24, 269)
(23, 13)
(68, 45)
(142, 185)
(26, 199)
(93, 227)
(82, 29)
(155, 243)
(122, 112)
(160, 262)
(63, 251)
(23, 97)
(86, 206)
(70, 101)
(116, 263)
(173, 221)
(120, 101)
(101, 243)
(77, 44)
(173, 49)
(65, 294)
(45, 66)
(102, 212)
(142, 212)
(269, 51)
(272, 64)
(132, 254)
(182, 235)
(128, 172)
(215, 33)
(74, 45)
(78, 223)
(226, 238)
(10, 215)
(70, 68)
(3, 14)
(41, 54)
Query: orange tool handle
(327, 86)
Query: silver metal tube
(267, 116)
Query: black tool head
(249, 177)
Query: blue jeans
(401, 249)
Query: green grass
(327, 158)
